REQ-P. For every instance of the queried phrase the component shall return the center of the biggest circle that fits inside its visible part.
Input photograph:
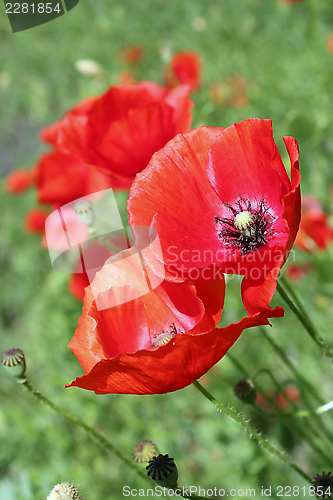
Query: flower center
(248, 229)
(165, 336)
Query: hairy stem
(265, 444)
(303, 317)
(99, 438)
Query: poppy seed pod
(14, 362)
(64, 491)
(245, 390)
(162, 469)
(144, 451)
(323, 485)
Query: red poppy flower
(232, 91)
(293, 393)
(329, 45)
(185, 67)
(35, 220)
(221, 200)
(97, 254)
(298, 272)
(61, 178)
(314, 230)
(158, 342)
(132, 54)
(119, 131)
(18, 181)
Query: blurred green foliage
(280, 50)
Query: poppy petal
(167, 368)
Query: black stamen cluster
(168, 335)
(255, 236)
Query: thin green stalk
(98, 437)
(101, 439)
(277, 384)
(298, 414)
(305, 384)
(300, 426)
(265, 444)
(304, 319)
(292, 292)
(302, 381)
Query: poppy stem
(301, 314)
(302, 381)
(253, 433)
(307, 429)
(98, 437)
(306, 387)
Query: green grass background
(280, 49)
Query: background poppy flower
(329, 44)
(159, 342)
(222, 197)
(119, 131)
(61, 178)
(298, 272)
(314, 230)
(35, 220)
(18, 181)
(131, 54)
(290, 1)
(184, 67)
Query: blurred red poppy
(159, 342)
(329, 45)
(184, 67)
(61, 178)
(298, 272)
(131, 54)
(231, 91)
(314, 231)
(290, 1)
(35, 220)
(18, 181)
(119, 131)
(294, 395)
(221, 201)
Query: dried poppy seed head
(84, 211)
(14, 362)
(64, 491)
(324, 481)
(162, 469)
(144, 451)
(245, 390)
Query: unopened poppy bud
(84, 211)
(245, 390)
(323, 484)
(14, 362)
(64, 491)
(144, 451)
(162, 469)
